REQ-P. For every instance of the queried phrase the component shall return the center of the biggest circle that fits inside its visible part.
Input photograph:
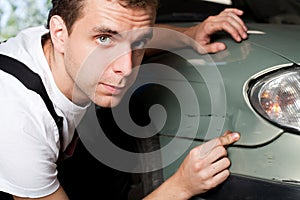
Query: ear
(58, 32)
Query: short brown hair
(72, 10)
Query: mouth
(112, 89)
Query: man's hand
(205, 167)
(228, 20)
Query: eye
(138, 44)
(104, 40)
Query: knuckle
(226, 140)
(194, 152)
(222, 150)
(203, 176)
(226, 173)
(227, 162)
(225, 23)
(198, 166)
(210, 18)
(208, 26)
(209, 184)
(219, 140)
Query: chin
(109, 102)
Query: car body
(265, 161)
(224, 96)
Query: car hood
(221, 99)
(282, 40)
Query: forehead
(115, 15)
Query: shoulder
(25, 143)
(24, 107)
(25, 46)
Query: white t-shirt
(29, 138)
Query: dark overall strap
(32, 81)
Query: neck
(62, 79)
(48, 50)
(56, 69)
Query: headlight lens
(276, 97)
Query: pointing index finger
(229, 138)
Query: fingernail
(221, 47)
(235, 136)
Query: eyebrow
(103, 29)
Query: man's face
(104, 50)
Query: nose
(124, 64)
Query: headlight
(276, 97)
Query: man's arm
(59, 194)
(205, 167)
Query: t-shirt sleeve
(28, 147)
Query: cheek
(138, 56)
(72, 62)
(82, 65)
(132, 78)
(76, 54)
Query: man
(29, 138)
